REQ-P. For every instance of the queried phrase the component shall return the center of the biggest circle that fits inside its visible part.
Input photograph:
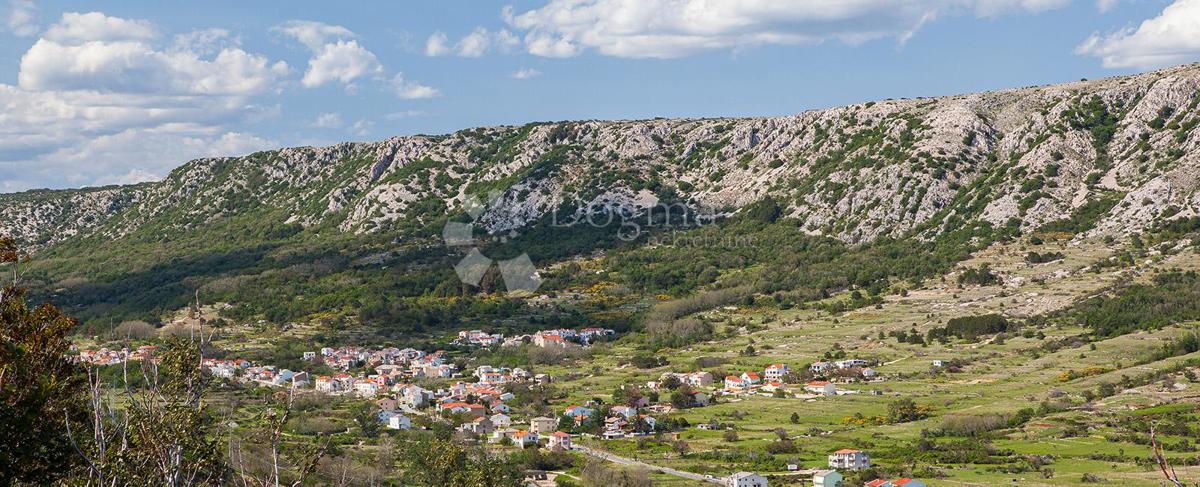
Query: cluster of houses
(773, 381)
(846, 370)
(392, 368)
(105, 356)
(246, 372)
(562, 338)
(478, 338)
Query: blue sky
(116, 92)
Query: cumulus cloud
(108, 54)
(22, 16)
(437, 45)
(476, 44)
(1173, 37)
(526, 73)
(103, 99)
(337, 56)
(341, 61)
(411, 90)
(676, 28)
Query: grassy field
(999, 378)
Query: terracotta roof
(845, 451)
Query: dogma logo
(518, 273)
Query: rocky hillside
(1122, 148)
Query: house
(700, 399)
(386, 404)
(501, 420)
(310, 356)
(399, 422)
(827, 478)
(625, 411)
(542, 425)
(774, 386)
(939, 363)
(746, 479)
(578, 413)
(750, 378)
(699, 379)
(733, 382)
(523, 439)
(849, 459)
(559, 439)
(822, 387)
(776, 372)
(480, 426)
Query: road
(653, 468)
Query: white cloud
(526, 73)
(412, 90)
(676, 28)
(1173, 37)
(76, 28)
(476, 44)
(22, 16)
(437, 45)
(337, 56)
(109, 54)
(100, 99)
(204, 41)
(342, 61)
(313, 35)
(328, 121)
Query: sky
(117, 92)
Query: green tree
(42, 393)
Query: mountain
(1106, 157)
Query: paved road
(653, 468)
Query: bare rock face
(1026, 156)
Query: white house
(746, 479)
(849, 459)
(822, 387)
(523, 439)
(827, 478)
(501, 420)
(776, 372)
(400, 422)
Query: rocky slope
(1025, 156)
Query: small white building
(501, 420)
(827, 478)
(746, 479)
(400, 422)
(849, 459)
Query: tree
(441, 462)
(364, 416)
(795, 419)
(164, 436)
(42, 393)
(903, 410)
(681, 399)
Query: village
(407, 384)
